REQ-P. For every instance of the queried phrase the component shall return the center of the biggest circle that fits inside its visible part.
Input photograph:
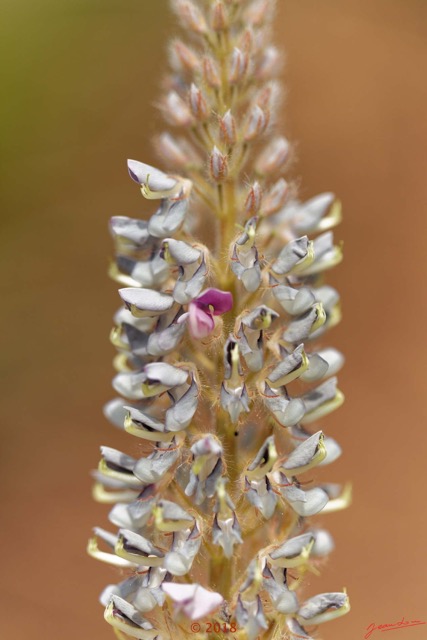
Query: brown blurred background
(80, 78)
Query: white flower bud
(171, 151)
(245, 42)
(254, 199)
(269, 64)
(218, 165)
(273, 156)
(176, 110)
(190, 16)
(177, 151)
(238, 66)
(227, 127)
(276, 197)
(256, 124)
(198, 104)
(182, 58)
(258, 12)
(219, 17)
(211, 73)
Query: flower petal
(169, 217)
(154, 467)
(154, 179)
(296, 630)
(294, 256)
(130, 232)
(294, 552)
(194, 600)
(146, 302)
(221, 301)
(125, 617)
(200, 322)
(324, 607)
(306, 455)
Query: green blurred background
(80, 79)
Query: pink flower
(212, 302)
(195, 601)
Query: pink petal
(200, 322)
(179, 592)
(196, 601)
(204, 602)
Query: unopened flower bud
(273, 156)
(238, 66)
(211, 73)
(227, 127)
(254, 199)
(176, 111)
(182, 58)
(218, 165)
(171, 151)
(178, 152)
(265, 97)
(256, 124)
(198, 104)
(276, 197)
(190, 16)
(269, 64)
(258, 12)
(219, 17)
(245, 43)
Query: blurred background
(79, 79)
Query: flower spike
(224, 374)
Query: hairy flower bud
(256, 123)
(176, 110)
(246, 40)
(238, 66)
(219, 17)
(171, 150)
(198, 104)
(254, 199)
(227, 127)
(276, 197)
(182, 58)
(211, 73)
(190, 16)
(269, 64)
(272, 157)
(259, 12)
(218, 165)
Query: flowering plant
(220, 369)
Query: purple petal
(221, 301)
(200, 322)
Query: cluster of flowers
(219, 367)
